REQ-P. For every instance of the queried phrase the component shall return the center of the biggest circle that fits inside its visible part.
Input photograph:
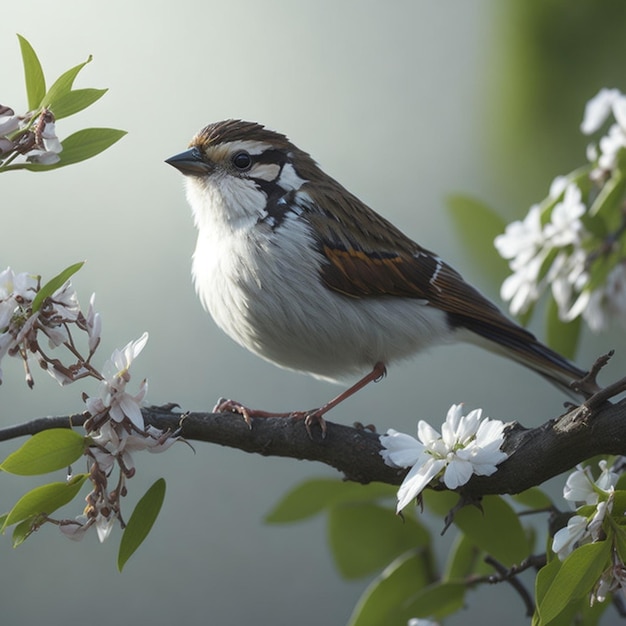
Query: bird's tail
(518, 344)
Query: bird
(298, 270)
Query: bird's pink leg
(310, 417)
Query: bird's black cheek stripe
(279, 205)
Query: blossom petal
(399, 449)
(417, 479)
(457, 473)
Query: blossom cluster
(30, 138)
(467, 445)
(20, 325)
(593, 501)
(572, 242)
(117, 430)
(115, 425)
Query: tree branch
(535, 455)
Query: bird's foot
(232, 406)
(310, 417)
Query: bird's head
(236, 169)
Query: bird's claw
(310, 418)
(225, 405)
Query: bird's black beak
(190, 162)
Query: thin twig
(509, 575)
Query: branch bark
(535, 455)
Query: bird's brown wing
(372, 258)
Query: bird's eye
(242, 161)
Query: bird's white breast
(262, 287)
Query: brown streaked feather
(238, 130)
(376, 260)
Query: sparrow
(299, 271)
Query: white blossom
(566, 539)
(598, 109)
(522, 288)
(580, 485)
(467, 445)
(75, 529)
(521, 240)
(112, 395)
(93, 322)
(48, 152)
(9, 122)
(528, 244)
(565, 227)
(104, 525)
(581, 489)
(15, 290)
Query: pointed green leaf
(477, 226)
(561, 336)
(24, 530)
(53, 284)
(574, 579)
(33, 75)
(44, 500)
(75, 101)
(383, 602)
(314, 496)
(496, 530)
(83, 144)
(45, 452)
(351, 528)
(141, 521)
(63, 85)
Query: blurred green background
(405, 102)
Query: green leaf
(620, 542)
(383, 602)
(574, 579)
(83, 144)
(63, 85)
(25, 529)
(44, 500)
(314, 496)
(141, 521)
(477, 226)
(609, 198)
(45, 452)
(53, 284)
(33, 75)
(533, 498)
(496, 530)
(350, 531)
(544, 579)
(75, 101)
(561, 336)
(438, 600)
